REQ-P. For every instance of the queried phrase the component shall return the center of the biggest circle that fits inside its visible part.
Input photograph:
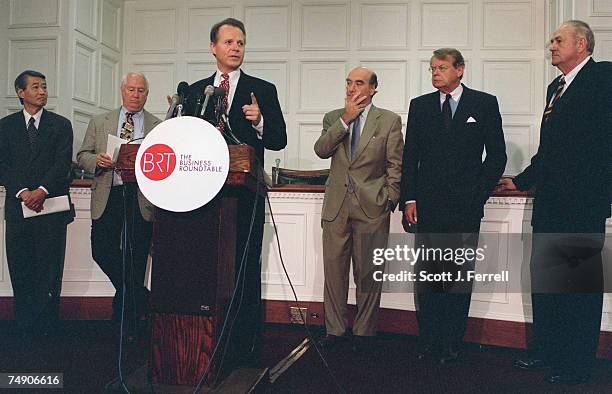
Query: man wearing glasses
(445, 184)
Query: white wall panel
(199, 22)
(198, 70)
(322, 86)
(309, 133)
(508, 25)
(393, 84)
(161, 77)
(393, 33)
(80, 121)
(324, 26)
(108, 82)
(86, 17)
(446, 25)
(603, 44)
(40, 54)
(34, 13)
(292, 231)
(111, 26)
(512, 82)
(84, 80)
(275, 72)
(600, 8)
(518, 140)
(269, 27)
(153, 31)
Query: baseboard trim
(484, 331)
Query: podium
(192, 279)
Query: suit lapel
(21, 136)
(461, 113)
(242, 96)
(574, 88)
(45, 129)
(110, 125)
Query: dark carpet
(86, 352)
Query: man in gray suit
(365, 144)
(109, 197)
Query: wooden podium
(192, 279)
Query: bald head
(362, 81)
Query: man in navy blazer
(571, 173)
(445, 184)
(252, 113)
(35, 157)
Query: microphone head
(209, 90)
(219, 92)
(182, 88)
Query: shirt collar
(36, 117)
(569, 77)
(233, 77)
(125, 111)
(455, 94)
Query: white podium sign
(182, 164)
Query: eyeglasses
(432, 69)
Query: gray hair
(139, 74)
(443, 53)
(582, 29)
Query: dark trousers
(443, 305)
(106, 247)
(567, 299)
(35, 250)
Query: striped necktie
(226, 86)
(555, 97)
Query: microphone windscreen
(220, 92)
(182, 88)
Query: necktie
(127, 130)
(447, 114)
(555, 97)
(356, 134)
(32, 132)
(224, 85)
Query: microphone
(183, 91)
(175, 100)
(208, 91)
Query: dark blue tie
(356, 134)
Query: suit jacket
(95, 142)
(274, 131)
(443, 169)
(375, 170)
(47, 166)
(572, 169)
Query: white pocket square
(471, 120)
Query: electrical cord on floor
(308, 332)
(241, 276)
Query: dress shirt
(234, 76)
(137, 136)
(36, 117)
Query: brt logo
(158, 162)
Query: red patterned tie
(225, 85)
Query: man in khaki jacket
(365, 144)
(108, 193)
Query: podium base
(241, 380)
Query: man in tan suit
(109, 194)
(365, 144)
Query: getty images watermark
(482, 263)
(434, 255)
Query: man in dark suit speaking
(35, 156)
(571, 173)
(446, 182)
(251, 111)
